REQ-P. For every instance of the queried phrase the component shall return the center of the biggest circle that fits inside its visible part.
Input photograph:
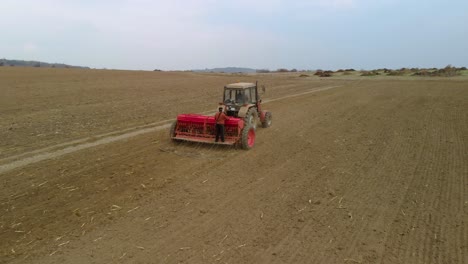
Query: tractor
(242, 104)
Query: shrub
(395, 73)
(304, 75)
(322, 73)
(369, 73)
(422, 73)
(282, 70)
(448, 71)
(326, 74)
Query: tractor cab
(239, 95)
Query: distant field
(353, 170)
(45, 106)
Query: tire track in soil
(123, 161)
(180, 229)
(11, 163)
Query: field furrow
(353, 170)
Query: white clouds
(178, 34)
(171, 34)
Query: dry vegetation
(448, 71)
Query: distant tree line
(278, 70)
(37, 64)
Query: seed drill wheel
(248, 137)
(251, 117)
(172, 132)
(267, 121)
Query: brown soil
(370, 171)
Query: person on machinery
(220, 118)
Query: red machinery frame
(200, 128)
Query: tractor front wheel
(248, 137)
(267, 120)
(251, 118)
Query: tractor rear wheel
(267, 120)
(248, 137)
(251, 118)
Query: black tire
(251, 118)
(172, 131)
(247, 137)
(267, 121)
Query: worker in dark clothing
(220, 119)
(239, 97)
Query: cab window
(253, 96)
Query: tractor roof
(240, 85)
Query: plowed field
(353, 170)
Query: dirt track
(374, 171)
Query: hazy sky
(191, 34)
